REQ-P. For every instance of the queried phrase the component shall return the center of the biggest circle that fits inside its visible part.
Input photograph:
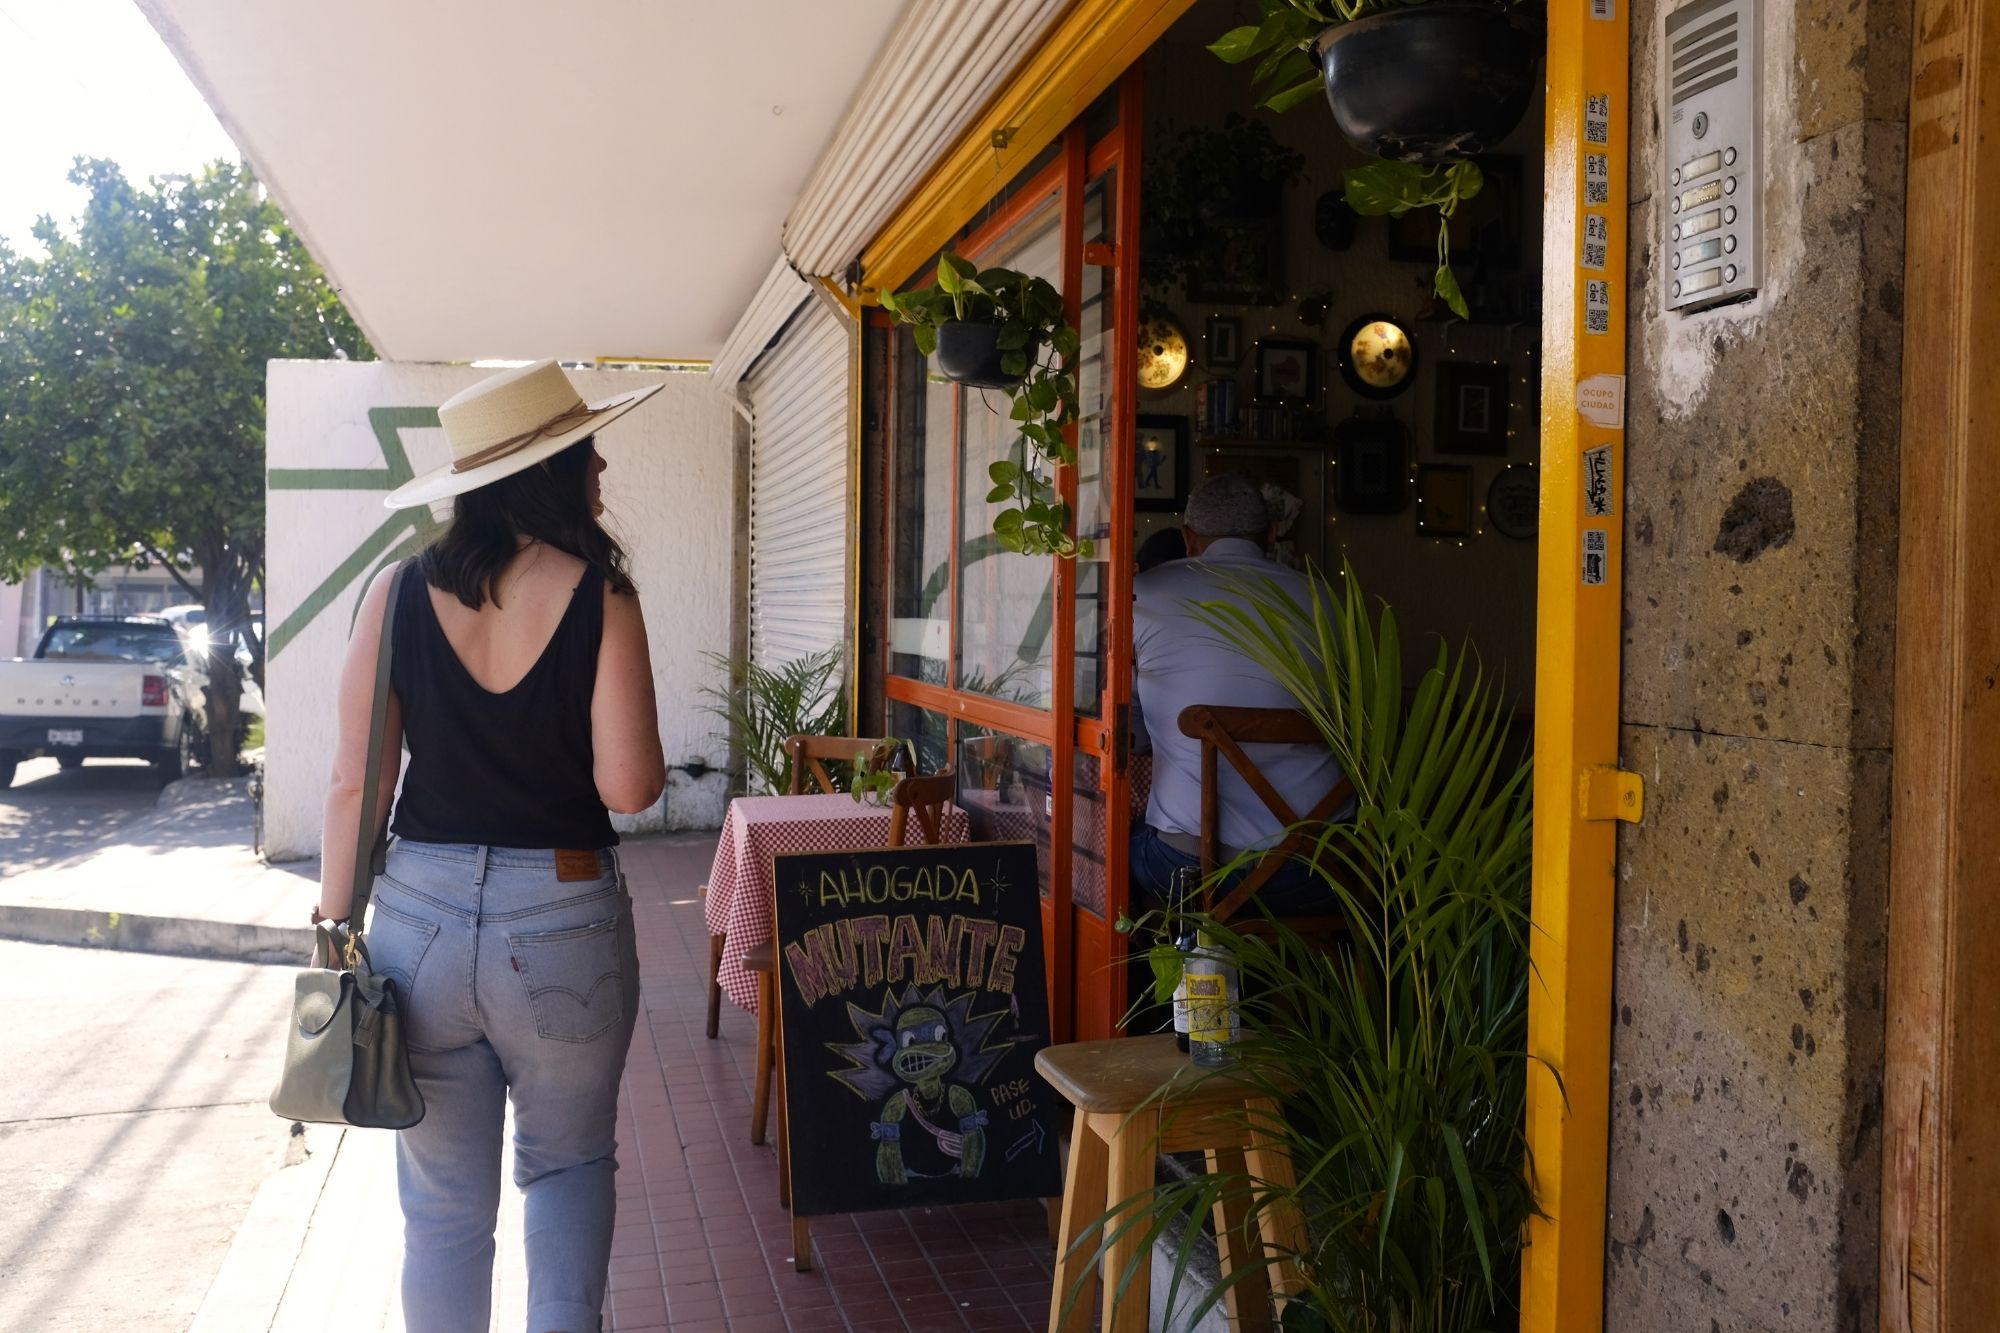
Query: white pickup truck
(106, 687)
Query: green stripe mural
(403, 533)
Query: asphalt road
(133, 1130)
(49, 815)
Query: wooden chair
(924, 797)
(809, 756)
(1223, 732)
(1137, 1097)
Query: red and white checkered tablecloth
(740, 887)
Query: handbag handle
(370, 842)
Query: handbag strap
(371, 842)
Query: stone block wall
(1760, 564)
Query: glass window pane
(930, 732)
(1096, 397)
(920, 573)
(1006, 601)
(1089, 832)
(1003, 787)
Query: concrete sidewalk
(180, 880)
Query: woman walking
(521, 687)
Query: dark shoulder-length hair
(549, 502)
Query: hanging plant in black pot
(1422, 84)
(998, 328)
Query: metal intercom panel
(1711, 75)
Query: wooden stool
(1111, 1156)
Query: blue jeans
(514, 981)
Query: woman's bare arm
(630, 770)
(353, 702)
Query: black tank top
(506, 770)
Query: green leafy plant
(1286, 76)
(877, 772)
(763, 707)
(1038, 343)
(133, 347)
(1398, 1056)
(1281, 42)
(1395, 188)
(1193, 186)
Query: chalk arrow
(1036, 1136)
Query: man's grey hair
(1230, 505)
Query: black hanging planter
(1430, 82)
(968, 353)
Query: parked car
(106, 687)
(192, 621)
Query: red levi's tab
(572, 866)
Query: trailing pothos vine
(1038, 344)
(1285, 75)
(1397, 187)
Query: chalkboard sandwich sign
(912, 999)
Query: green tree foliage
(132, 364)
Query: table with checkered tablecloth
(740, 887)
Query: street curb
(95, 928)
(251, 1284)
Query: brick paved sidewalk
(702, 1243)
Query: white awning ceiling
(935, 73)
(510, 178)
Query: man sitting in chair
(1180, 662)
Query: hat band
(513, 444)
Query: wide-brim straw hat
(507, 423)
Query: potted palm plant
(761, 707)
(1400, 1054)
(998, 328)
(1424, 85)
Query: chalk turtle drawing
(921, 1057)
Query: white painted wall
(669, 496)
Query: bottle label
(1209, 1018)
(1181, 1005)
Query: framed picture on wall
(1287, 371)
(1162, 482)
(1471, 408)
(1444, 500)
(1223, 342)
(1371, 465)
(1514, 502)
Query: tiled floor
(702, 1243)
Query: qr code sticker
(1597, 307)
(1597, 118)
(1596, 240)
(1605, 10)
(1596, 556)
(1596, 178)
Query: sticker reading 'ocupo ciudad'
(912, 999)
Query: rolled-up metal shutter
(799, 545)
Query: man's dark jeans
(1294, 891)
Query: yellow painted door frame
(1579, 793)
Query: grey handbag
(345, 1062)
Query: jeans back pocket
(575, 979)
